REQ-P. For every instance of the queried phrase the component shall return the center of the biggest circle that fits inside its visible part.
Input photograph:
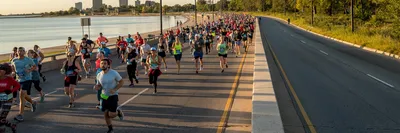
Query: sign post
(85, 22)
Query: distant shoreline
(74, 16)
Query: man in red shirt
(122, 44)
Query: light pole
(161, 26)
(195, 12)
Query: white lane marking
(380, 81)
(126, 102)
(46, 94)
(303, 41)
(323, 52)
(292, 35)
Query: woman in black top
(161, 51)
(131, 65)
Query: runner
(198, 53)
(222, 49)
(7, 86)
(91, 43)
(101, 40)
(208, 40)
(117, 47)
(131, 65)
(105, 50)
(161, 50)
(171, 39)
(238, 42)
(71, 48)
(71, 70)
(37, 49)
(154, 61)
(122, 44)
(35, 74)
(12, 56)
(22, 67)
(177, 48)
(244, 38)
(110, 81)
(100, 57)
(144, 52)
(85, 51)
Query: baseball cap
(153, 49)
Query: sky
(38, 6)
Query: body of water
(50, 32)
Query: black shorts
(26, 86)
(178, 57)
(70, 80)
(223, 55)
(162, 54)
(111, 104)
(144, 60)
(123, 51)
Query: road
(185, 103)
(341, 88)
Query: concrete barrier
(265, 115)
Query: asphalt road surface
(184, 103)
(342, 89)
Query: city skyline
(25, 7)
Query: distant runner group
(228, 34)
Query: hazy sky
(36, 6)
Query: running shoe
(42, 98)
(34, 107)
(19, 118)
(131, 85)
(120, 114)
(110, 131)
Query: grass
(366, 35)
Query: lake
(50, 32)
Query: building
(123, 3)
(79, 6)
(97, 4)
(137, 3)
(149, 3)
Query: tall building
(137, 3)
(123, 3)
(79, 6)
(149, 3)
(97, 4)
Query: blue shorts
(238, 43)
(198, 55)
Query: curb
(334, 39)
(265, 111)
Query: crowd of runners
(229, 34)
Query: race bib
(70, 73)
(5, 97)
(21, 74)
(221, 50)
(178, 51)
(84, 51)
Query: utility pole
(195, 11)
(213, 6)
(312, 12)
(352, 15)
(161, 26)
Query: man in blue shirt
(107, 51)
(130, 40)
(23, 67)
